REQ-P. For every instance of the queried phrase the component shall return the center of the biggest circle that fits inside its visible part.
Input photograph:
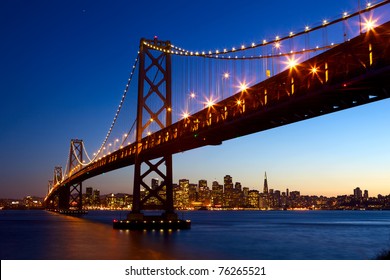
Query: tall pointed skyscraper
(265, 183)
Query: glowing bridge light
(369, 24)
(277, 45)
(209, 102)
(314, 70)
(226, 75)
(192, 95)
(291, 62)
(324, 22)
(243, 86)
(307, 28)
(185, 115)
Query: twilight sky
(64, 64)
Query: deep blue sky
(64, 64)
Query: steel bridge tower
(74, 192)
(153, 109)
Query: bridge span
(352, 73)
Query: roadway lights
(243, 86)
(292, 63)
(369, 24)
(209, 103)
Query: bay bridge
(188, 99)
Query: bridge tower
(74, 191)
(153, 110)
(61, 201)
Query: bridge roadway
(354, 73)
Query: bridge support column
(153, 114)
(75, 200)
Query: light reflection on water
(214, 235)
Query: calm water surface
(323, 235)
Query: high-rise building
(202, 185)
(96, 198)
(182, 194)
(88, 191)
(155, 183)
(204, 193)
(88, 196)
(228, 183)
(217, 194)
(365, 196)
(253, 198)
(237, 187)
(357, 193)
(265, 190)
(228, 191)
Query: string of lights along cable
(202, 78)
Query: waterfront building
(217, 194)
(253, 198)
(181, 194)
(96, 198)
(228, 191)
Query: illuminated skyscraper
(228, 183)
(265, 183)
(357, 193)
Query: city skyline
(62, 78)
(221, 181)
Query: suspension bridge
(187, 99)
